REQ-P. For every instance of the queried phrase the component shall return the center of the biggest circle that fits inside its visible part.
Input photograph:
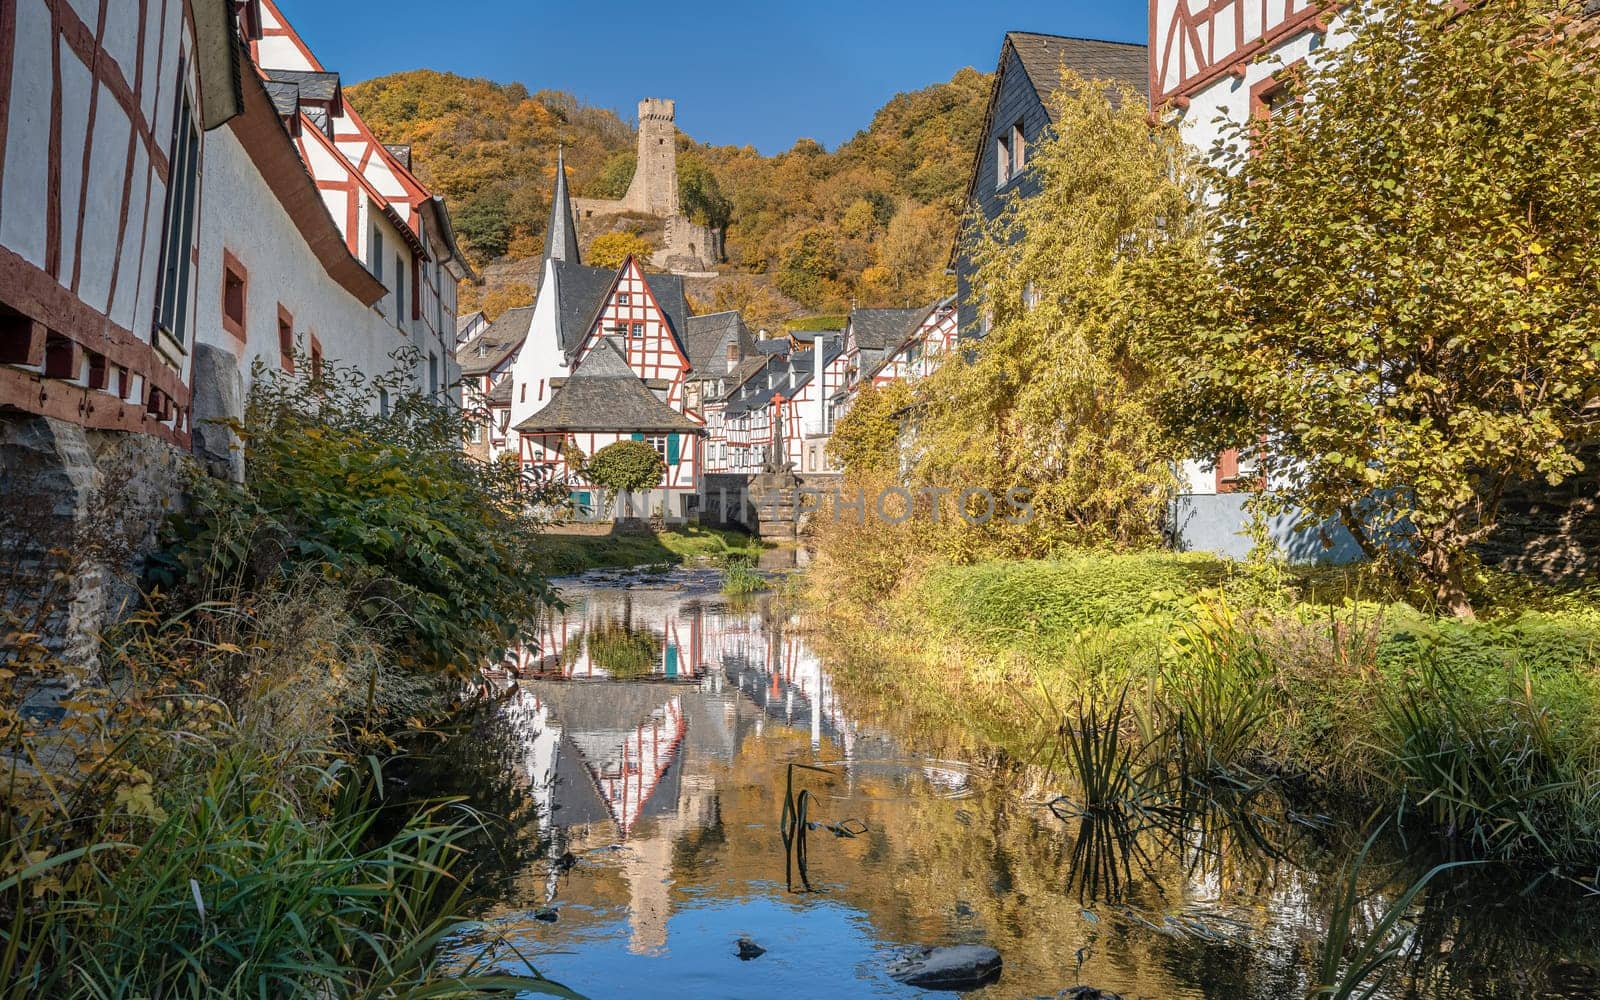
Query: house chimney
(818, 361)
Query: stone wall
(82, 510)
(1551, 532)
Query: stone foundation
(82, 511)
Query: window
(474, 432)
(433, 374)
(1002, 161)
(1019, 150)
(638, 329)
(659, 443)
(285, 339)
(623, 298)
(316, 359)
(172, 309)
(375, 251)
(399, 295)
(383, 401)
(235, 286)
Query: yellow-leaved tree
(1054, 399)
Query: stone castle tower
(654, 190)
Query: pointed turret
(561, 236)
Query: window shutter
(674, 450)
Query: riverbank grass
(560, 554)
(1486, 732)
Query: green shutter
(673, 455)
(638, 435)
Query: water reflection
(652, 735)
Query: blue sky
(755, 72)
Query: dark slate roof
(879, 329)
(401, 152)
(500, 395)
(583, 292)
(501, 339)
(285, 96)
(1043, 56)
(773, 345)
(605, 395)
(561, 233)
(797, 370)
(668, 290)
(705, 338)
(314, 85)
(748, 368)
(319, 118)
(868, 371)
(462, 322)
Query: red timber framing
(637, 324)
(60, 356)
(935, 336)
(1202, 41)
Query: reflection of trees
(621, 651)
(484, 763)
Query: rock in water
(748, 949)
(963, 967)
(547, 915)
(1089, 993)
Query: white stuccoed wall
(282, 269)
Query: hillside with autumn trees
(809, 230)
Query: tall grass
(244, 889)
(1356, 966)
(1485, 735)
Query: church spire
(561, 236)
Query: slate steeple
(561, 236)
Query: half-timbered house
(769, 417)
(1214, 62)
(1020, 115)
(388, 218)
(486, 362)
(105, 115)
(923, 348)
(642, 319)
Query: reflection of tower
(654, 190)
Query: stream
(644, 760)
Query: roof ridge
(1079, 38)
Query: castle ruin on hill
(654, 192)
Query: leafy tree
(611, 249)
(485, 225)
(1401, 294)
(615, 177)
(700, 195)
(512, 296)
(625, 467)
(1054, 398)
(428, 547)
(867, 438)
(809, 265)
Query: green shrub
(625, 467)
(431, 547)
